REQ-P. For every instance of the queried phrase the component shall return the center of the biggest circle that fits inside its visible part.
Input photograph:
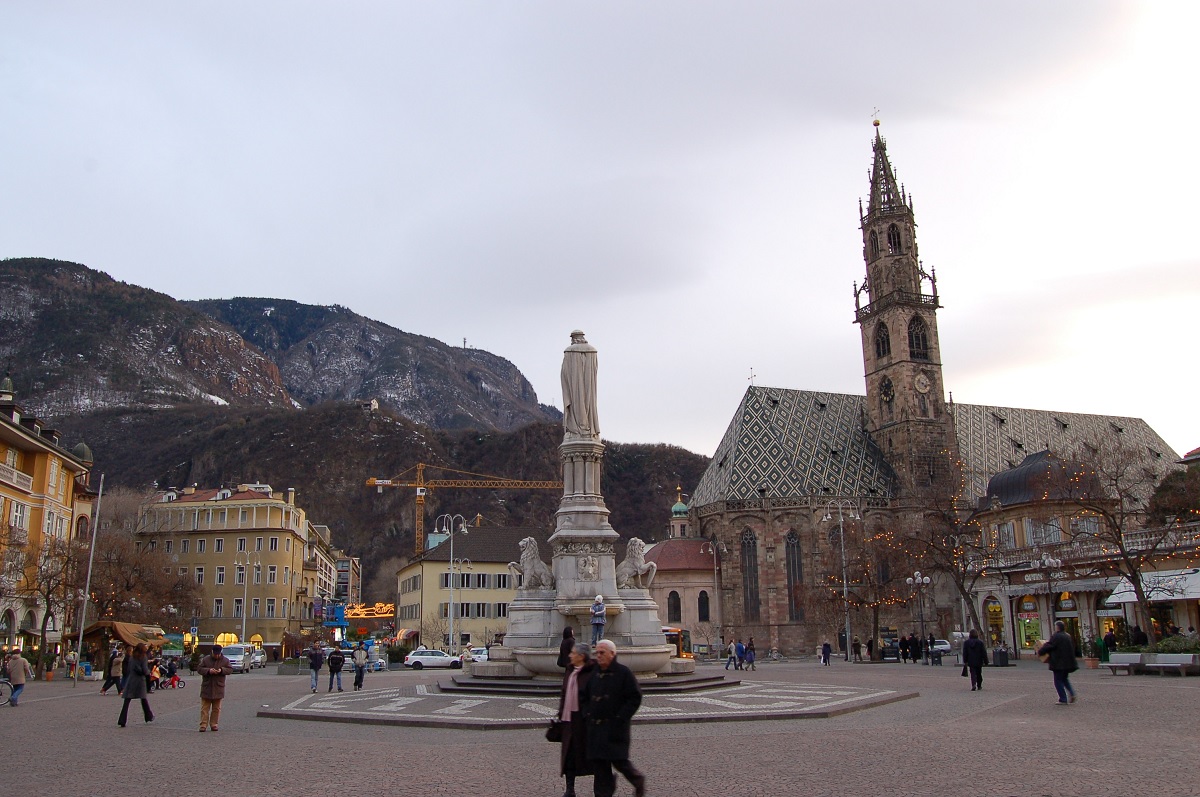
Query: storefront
(1029, 622)
(1173, 596)
(993, 617)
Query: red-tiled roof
(200, 495)
(681, 554)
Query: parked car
(479, 654)
(942, 646)
(420, 659)
(258, 658)
(241, 656)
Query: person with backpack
(336, 661)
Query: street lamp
(919, 583)
(237, 559)
(445, 525)
(713, 548)
(840, 505)
(1050, 565)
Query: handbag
(555, 732)
(964, 672)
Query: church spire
(886, 195)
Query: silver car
(419, 659)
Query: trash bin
(935, 657)
(87, 669)
(999, 657)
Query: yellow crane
(423, 485)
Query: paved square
(1126, 735)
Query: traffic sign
(194, 630)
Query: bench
(1182, 663)
(1130, 663)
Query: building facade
(349, 578)
(46, 510)
(264, 568)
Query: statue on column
(580, 419)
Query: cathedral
(801, 476)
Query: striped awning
(1169, 585)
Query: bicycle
(5, 691)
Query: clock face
(887, 391)
(922, 383)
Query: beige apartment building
(264, 568)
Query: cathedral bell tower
(906, 413)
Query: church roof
(801, 443)
(680, 554)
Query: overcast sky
(678, 179)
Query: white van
(240, 655)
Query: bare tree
(877, 560)
(434, 628)
(52, 580)
(709, 632)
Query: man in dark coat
(610, 699)
(974, 654)
(1061, 661)
(904, 649)
(316, 659)
(212, 668)
(336, 661)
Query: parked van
(240, 655)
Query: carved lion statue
(532, 571)
(635, 571)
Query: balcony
(12, 476)
(894, 298)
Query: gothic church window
(702, 613)
(918, 339)
(750, 576)
(674, 610)
(883, 341)
(874, 238)
(893, 239)
(795, 577)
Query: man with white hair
(610, 699)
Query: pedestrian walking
(740, 649)
(610, 699)
(565, 647)
(19, 671)
(826, 652)
(213, 669)
(974, 654)
(316, 660)
(750, 658)
(731, 655)
(136, 686)
(903, 649)
(598, 619)
(1060, 658)
(572, 760)
(112, 670)
(359, 658)
(336, 661)
(856, 649)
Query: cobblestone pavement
(423, 705)
(1126, 735)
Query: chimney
(291, 496)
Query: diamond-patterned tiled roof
(798, 443)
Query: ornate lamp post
(713, 547)
(843, 505)
(919, 583)
(446, 525)
(238, 560)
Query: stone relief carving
(589, 568)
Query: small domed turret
(83, 453)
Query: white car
(258, 658)
(419, 659)
(478, 654)
(942, 646)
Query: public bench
(1130, 663)
(1182, 663)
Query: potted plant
(1091, 652)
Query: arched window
(918, 339)
(883, 341)
(795, 577)
(81, 528)
(893, 239)
(674, 610)
(702, 607)
(750, 576)
(874, 239)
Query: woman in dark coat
(565, 648)
(1060, 651)
(573, 760)
(974, 654)
(135, 686)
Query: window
(183, 571)
(273, 544)
(257, 573)
(152, 545)
(54, 473)
(1086, 526)
(218, 607)
(286, 571)
(1039, 532)
(220, 574)
(893, 239)
(258, 543)
(271, 572)
(184, 545)
(1005, 535)
(196, 520)
(239, 575)
(874, 242)
(241, 544)
(883, 341)
(237, 607)
(168, 545)
(480, 610)
(20, 515)
(481, 581)
(284, 611)
(221, 518)
(270, 608)
(287, 544)
(502, 610)
(674, 609)
(254, 608)
(702, 613)
(219, 545)
(199, 575)
(501, 582)
(918, 339)
(795, 576)
(200, 545)
(445, 579)
(750, 576)
(243, 515)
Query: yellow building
(264, 568)
(45, 505)
(482, 588)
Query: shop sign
(1027, 615)
(1066, 605)
(1028, 606)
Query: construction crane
(423, 485)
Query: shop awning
(1169, 585)
(129, 633)
(406, 633)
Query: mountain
(331, 353)
(75, 340)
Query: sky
(680, 180)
